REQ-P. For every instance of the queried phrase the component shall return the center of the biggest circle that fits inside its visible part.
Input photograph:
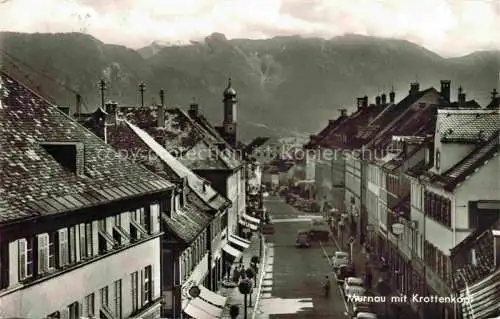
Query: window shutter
(43, 252)
(142, 288)
(83, 244)
(22, 245)
(63, 247)
(89, 239)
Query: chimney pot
(193, 110)
(360, 101)
(343, 112)
(365, 101)
(461, 97)
(377, 100)
(392, 96)
(384, 98)
(414, 88)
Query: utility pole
(102, 87)
(142, 88)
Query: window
(25, 258)
(147, 285)
(473, 257)
(89, 305)
(118, 220)
(72, 245)
(137, 224)
(135, 290)
(103, 292)
(74, 311)
(63, 247)
(118, 299)
(438, 159)
(52, 250)
(89, 239)
(43, 253)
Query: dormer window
(69, 155)
(438, 159)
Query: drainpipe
(209, 249)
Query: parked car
(303, 240)
(354, 286)
(345, 271)
(365, 315)
(340, 258)
(362, 306)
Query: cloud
(449, 27)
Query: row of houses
(120, 212)
(428, 166)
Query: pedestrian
(369, 279)
(236, 274)
(326, 286)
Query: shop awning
(243, 243)
(248, 224)
(251, 219)
(201, 309)
(212, 297)
(483, 297)
(232, 251)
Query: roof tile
(33, 175)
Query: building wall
(55, 294)
(233, 185)
(311, 165)
(482, 185)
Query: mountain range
(286, 85)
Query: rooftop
(483, 153)
(35, 183)
(189, 221)
(201, 187)
(467, 126)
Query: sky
(447, 27)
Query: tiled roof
(181, 135)
(350, 128)
(469, 126)
(232, 155)
(466, 167)
(187, 223)
(35, 183)
(332, 125)
(420, 121)
(482, 241)
(200, 186)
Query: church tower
(230, 106)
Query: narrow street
(292, 286)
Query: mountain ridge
(284, 83)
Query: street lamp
(397, 230)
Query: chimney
(414, 88)
(494, 100)
(445, 89)
(365, 101)
(360, 102)
(160, 121)
(392, 96)
(111, 110)
(343, 112)
(461, 97)
(194, 110)
(377, 100)
(78, 105)
(384, 98)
